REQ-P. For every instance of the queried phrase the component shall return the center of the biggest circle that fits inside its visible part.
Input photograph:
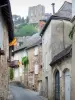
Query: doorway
(46, 86)
(67, 85)
(57, 86)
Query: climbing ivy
(11, 74)
(72, 32)
(25, 62)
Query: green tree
(25, 30)
(11, 74)
(25, 62)
(27, 19)
(17, 19)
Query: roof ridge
(53, 17)
(67, 2)
(63, 5)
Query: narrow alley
(24, 94)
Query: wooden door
(67, 85)
(57, 86)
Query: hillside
(25, 30)
(22, 27)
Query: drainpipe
(63, 36)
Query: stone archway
(67, 84)
(57, 85)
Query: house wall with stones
(62, 66)
(19, 72)
(34, 74)
(73, 64)
(3, 61)
(54, 40)
(73, 8)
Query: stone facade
(19, 72)
(34, 74)
(3, 62)
(36, 13)
(62, 67)
(54, 40)
(73, 64)
(73, 8)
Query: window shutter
(36, 69)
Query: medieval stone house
(56, 55)
(73, 52)
(56, 58)
(18, 54)
(33, 49)
(6, 36)
(34, 68)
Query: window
(16, 57)
(36, 51)
(1, 36)
(36, 69)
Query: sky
(20, 7)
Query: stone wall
(73, 7)
(3, 64)
(62, 67)
(36, 13)
(73, 65)
(33, 60)
(54, 40)
(20, 71)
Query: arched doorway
(67, 85)
(57, 85)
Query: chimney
(53, 8)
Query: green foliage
(72, 32)
(22, 26)
(25, 30)
(27, 20)
(11, 74)
(25, 62)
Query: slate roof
(73, 19)
(36, 38)
(7, 16)
(33, 41)
(65, 10)
(64, 13)
(34, 44)
(61, 55)
(54, 18)
(19, 48)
